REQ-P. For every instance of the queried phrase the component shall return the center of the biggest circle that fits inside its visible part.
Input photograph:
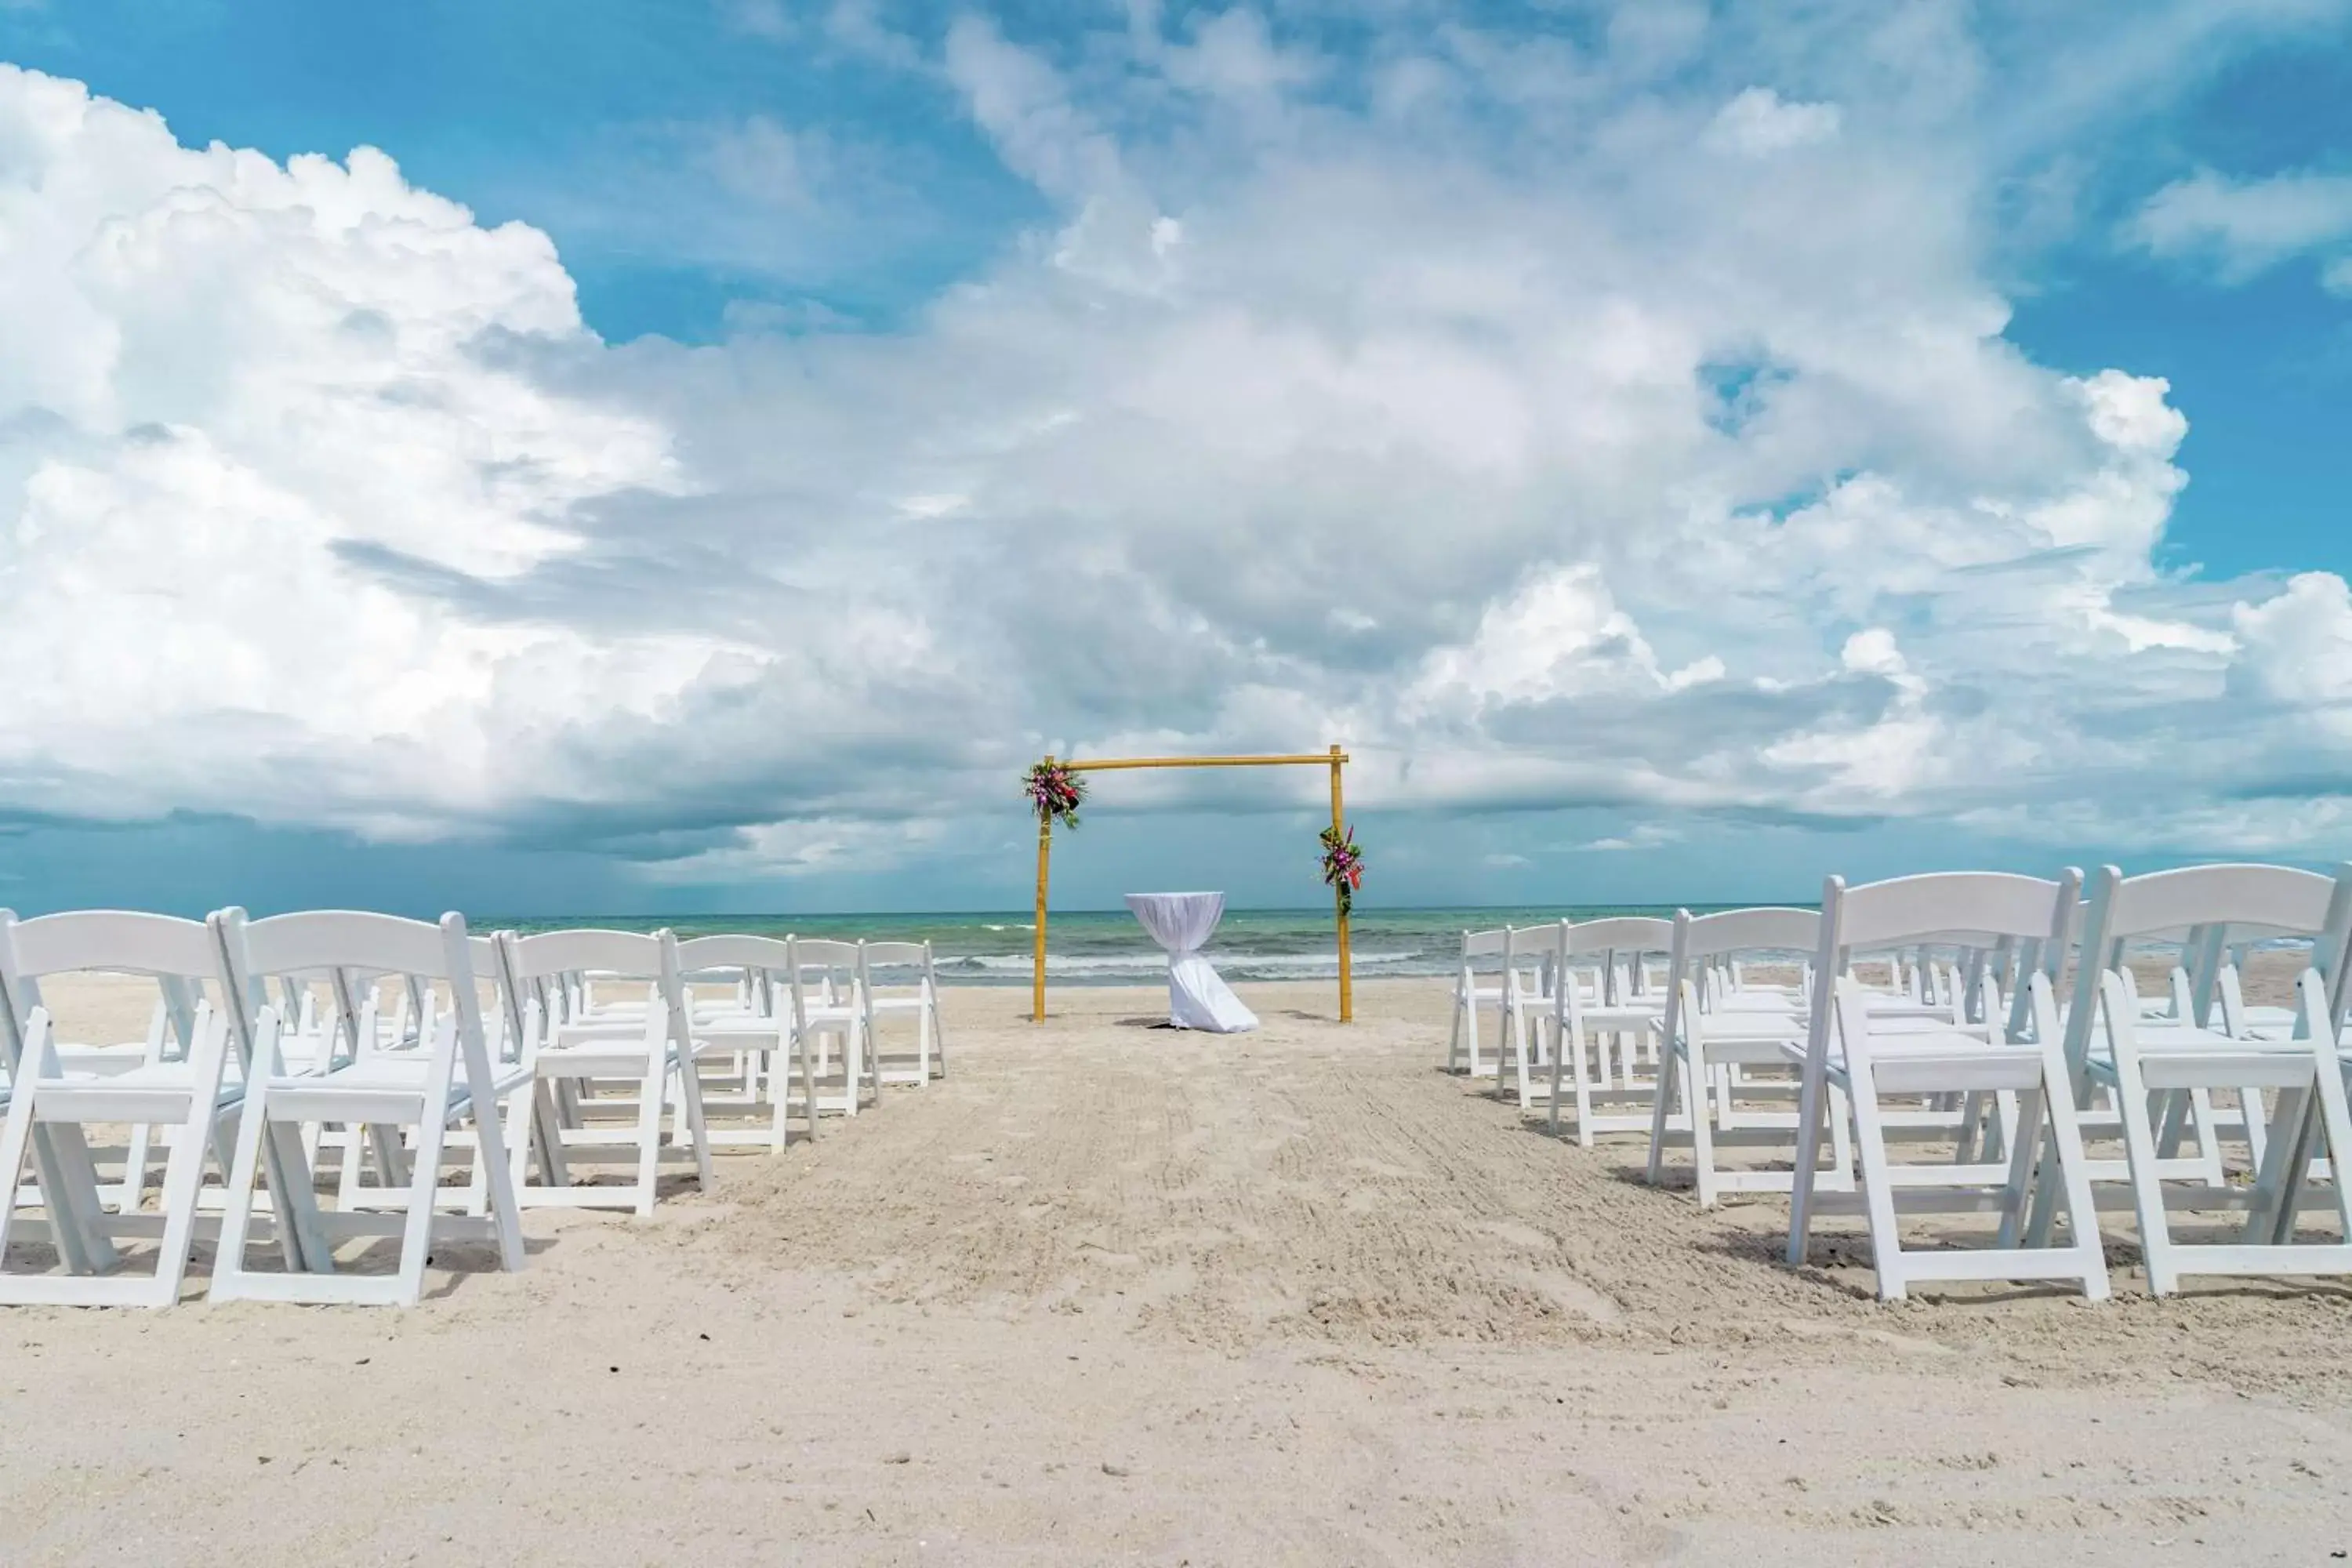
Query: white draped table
(1197, 998)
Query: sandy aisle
(1117, 1294)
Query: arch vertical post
(1037, 960)
(1339, 894)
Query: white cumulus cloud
(1583, 465)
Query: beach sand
(1112, 1293)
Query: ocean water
(1106, 947)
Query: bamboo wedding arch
(1336, 759)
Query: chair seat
(391, 1075)
(2182, 1057)
(596, 1058)
(100, 1060)
(149, 1093)
(1933, 1061)
(1621, 1019)
(755, 1025)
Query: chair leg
(14, 1138)
(1661, 1096)
(69, 1183)
(2074, 1168)
(547, 1102)
(1579, 1043)
(2140, 1147)
(425, 1179)
(1812, 1090)
(808, 1083)
(1840, 1177)
(1877, 1192)
(131, 1195)
(780, 1096)
(1559, 1050)
(690, 1088)
(649, 1133)
(184, 1174)
(2208, 1135)
(1470, 1023)
(523, 1123)
(1704, 1176)
(236, 1209)
(1454, 1034)
(2250, 1112)
(2335, 1123)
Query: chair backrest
(119, 942)
(1797, 931)
(822, 961)
(629, 954)
(1940, 907)
(2207, 900)
(1974, 907)
(529, 962)
(898, 955)
(1549, 939)
(254, 952)
(731, 953)
(1485, 944)
(1701, 937)
(179, 954)
(807, 952)
(1621, 933)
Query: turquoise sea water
(1104, 947)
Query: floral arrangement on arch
(1056, 792)
(1343, 865)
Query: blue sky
(905, 390)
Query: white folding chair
(448, 1078)
(754, 1026)
(1534, 963)
(2112, 1048)
(1470, 993)
(51, 1100)
(1601, 1036)
(826, 1004)
(1872, 1060)
(1715, 1042)
(563, 1058)
(919, 994)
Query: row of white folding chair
(346, 1065)
(427, 1088)
(2137, 1065)
(2110, 1050)
(821, 1001)
(565, 1054)
(1513, 970)
(79, 940)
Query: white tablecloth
(1198, 998)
